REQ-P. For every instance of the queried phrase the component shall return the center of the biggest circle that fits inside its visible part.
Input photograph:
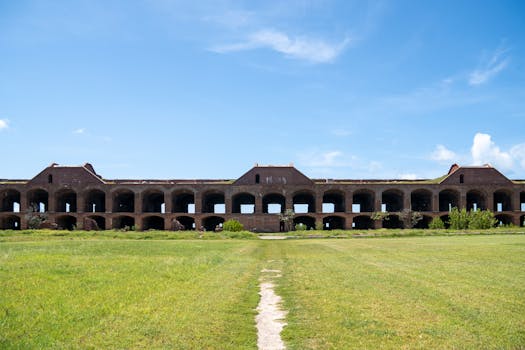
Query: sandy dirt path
(270, 320)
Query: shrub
(436, 224)
(301, 227)
(481, 220)
(232, 226)
(459, 219)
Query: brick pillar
(80, 203)
(289, 202)
(168, 203)
(349, 201)
(108, 202)
(462, 200)
(377, 200)
(51, 202)
(198, 223)
(435, 202)
(490, 201)
(138, 203)
(318, 203)
(228, 204)
(515, 198)
(198, 204)
(407, 201)
(258, 203)
(24, 204)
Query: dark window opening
(257, 179)
(50, 179)
(461, 178)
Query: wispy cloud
(323, 159)
(490, 68)
(4, 124)
(302, 47)
(443, 154)
(79, 131)
(408, 176)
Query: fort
(71, 196)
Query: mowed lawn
(462, 292)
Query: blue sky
(206, 89)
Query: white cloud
(79, 131)
(517, 152)
(484, 150)
(409, 176)
(303, 48)
(326, 159)
(443, 154)
(497, 62)
(4, 124)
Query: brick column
(80, 203)
(489, 200)
(138, 203)
(198, 204)
(435, 202)
(108, 202)
(318, 203)
(168, 203)
(462, 200)
(515, 198)
(349, 201)
(407, 201)
(258, 203)
(377, 200)
(51, 202)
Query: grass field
(462, 292)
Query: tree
(436, 224)
(34, 217)
(410, 218)
(287, 218)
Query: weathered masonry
(71, 195)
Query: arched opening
(38, 200)
(476, 200)
(363, 201)
(424, 222)
(303, 202)
(333, 223)
(243, 203)
(392, 221)
(11, 222)
(95, 201)
(334, 202)
(448, 199)
(503, 220)
(10, 201)
(522, 221)
(274, 203)
(421, 200)
(362, 222)
(213, 202)
(66, 201)
(213, 223)
(153, 223)
(502, 201)
(446, 220)
(124, 222)
(186, 221)
(99, 220)
(183, 202)
(392, 200)
(123, 201)
(306, 220)
(153, 202)
(66, 222)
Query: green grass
(460, 292)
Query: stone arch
(152, 201)
(123, 201)
(187, 221)
(393, 200)
(123, 222)
(9, 200)
(476, 199)
(100, 220)
(210, 223)
(307, 220)
(213, 202)
(502, 200)
(153, 222)
(243, 203)
(424, 222)
(10, 222)
(183, 201)
(362, 222)
(337, 199)
(95, 201)
(303, 198)
(365, 199)
(503, 220)
(38, 200)
(448, 199)
(66, 201)
(66, 222)
(273, 199)
(333, 222)
(421, 200)
(393, 221)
